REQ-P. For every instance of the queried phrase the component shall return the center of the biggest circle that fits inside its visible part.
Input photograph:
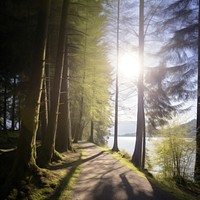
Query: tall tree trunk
(63, 138)
(13, 104)
(26, 152)
(19, 113)
(44, 109)
(74, 128)
(197, 162)
(48, 148)
(61, 134)
(79, 129)
(144, 141)
(48, 85)
(5, 104)
(68, 113)
(92, 132)
(91, 139)
(138, 154)
(115, 144)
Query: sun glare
(129, 65)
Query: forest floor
(93, 173)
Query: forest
(61, 83)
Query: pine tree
(115, 144)
(180, 53)
(138, 156)
(89, 77)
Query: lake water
(128, 144)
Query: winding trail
(104, 178)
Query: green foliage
(175, 153)
(174, 78)
(89, 72)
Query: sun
(129, 65)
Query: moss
(124, 158)
(13, 194)
(59, 180)
(68, 191)
(43, 183)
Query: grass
(124, 158)
(67, 193)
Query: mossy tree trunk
(48, 148)
(44, 110)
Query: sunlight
(129, 65)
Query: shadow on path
(128, 187)
(72, 166)
(107, 189)
(105, 178)
(77, 162)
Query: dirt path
(105, 178)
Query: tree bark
(137, 157)
(44, 110)
(92, 132)
(48, 148)
(68, 113)
(115, 144)
(64, 139)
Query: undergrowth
(56, 182)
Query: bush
(175, 154)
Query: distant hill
(128, 128)
(190, 127)
(125, 128)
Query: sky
(128, 42)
